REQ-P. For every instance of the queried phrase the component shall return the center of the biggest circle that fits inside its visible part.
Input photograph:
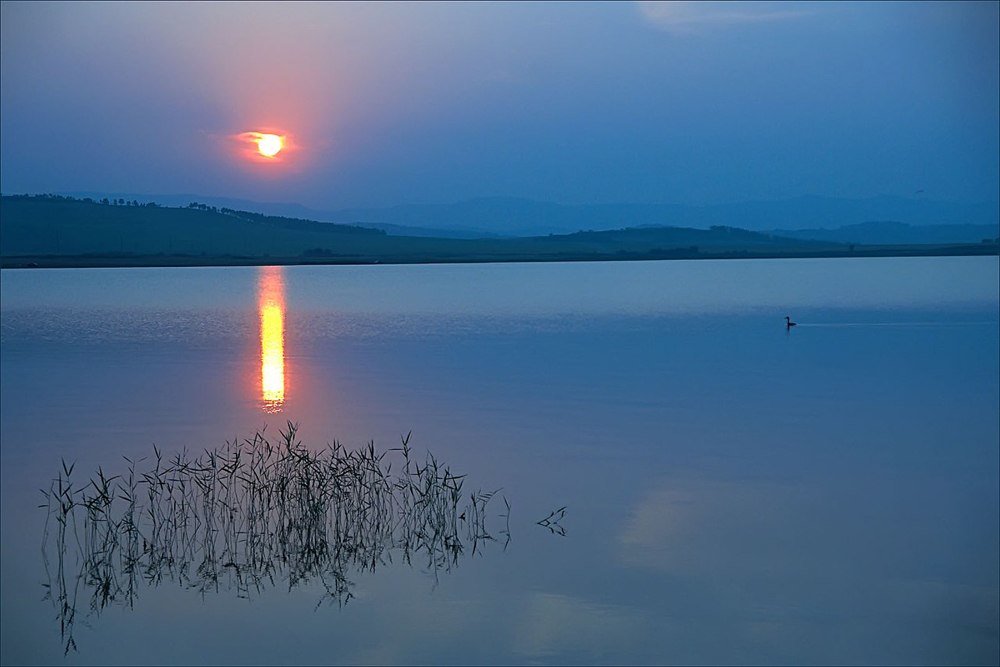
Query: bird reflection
(271, 304)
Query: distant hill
(890, 232)
(61, 231)
(449, 233)
(285, 209)
(509, 216)
(523, 217)
(62, 226)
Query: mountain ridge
(48, 230)
(493, 217)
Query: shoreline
(181, 261)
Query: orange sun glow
(264, 146)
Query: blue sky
(429, 103)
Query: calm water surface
(735, 492)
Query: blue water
(735, 492)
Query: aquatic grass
(553, 522)
(252, 515)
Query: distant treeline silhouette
(88, 200)
(290, 223)
(282, 221)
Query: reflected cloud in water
(769, 556)
(571, 630)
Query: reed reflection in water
(271, 305)
(251, 515)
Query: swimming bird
(788, 323)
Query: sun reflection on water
(272, 337)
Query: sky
(386, 104)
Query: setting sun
(265, 145)
(269, 145)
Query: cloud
(693, 16)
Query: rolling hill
(61, 231)
(490, 217)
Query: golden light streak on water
(272, 337)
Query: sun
(269, 145)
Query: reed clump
(252, 515)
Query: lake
(734, 492)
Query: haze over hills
(508, 216)
(526, 217)
(60, 231)
(61, 226)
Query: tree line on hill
(89, 200)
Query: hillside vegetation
(52, 230)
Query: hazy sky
(426, 103)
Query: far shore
(164, 261)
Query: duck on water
(788, 323)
